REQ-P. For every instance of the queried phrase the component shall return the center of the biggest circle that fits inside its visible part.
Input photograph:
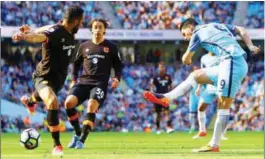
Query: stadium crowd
(44, 13)
(131, 14)
(169, 15)
(255, 17)
(125, 109)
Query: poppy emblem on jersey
(106, 49)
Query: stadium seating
(255, 17)
(168, 15)
(44, 13)
(132, 15)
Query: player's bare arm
(30, 37)
(187, 58)
(26, 29)
(245, 37)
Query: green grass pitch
(114, 145)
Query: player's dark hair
(104, 22)
(187, 23)
(72, 13)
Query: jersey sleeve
(77, 63)
(116, 62)
(231, 28)
(51, 35)
(194, 43)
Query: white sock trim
(223, 112)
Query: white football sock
(182, 88)
(192, 117)
(202, 121)
(219, 127)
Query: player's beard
(75, 29)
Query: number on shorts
(222, 83)
(99, 93)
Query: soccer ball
(30, 138)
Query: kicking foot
(30, 108)
(156, 98)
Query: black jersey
(97, 62)
(162, 83)
(56, 53)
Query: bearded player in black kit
(58, 44)
(97, 56)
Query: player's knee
(92, 106)
(70, 102)
(196, 74)
(224, 102)
(52, 103)
(202, 107)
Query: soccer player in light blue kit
(220, 40)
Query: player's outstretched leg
(31, 102)
(180, 90)
(70, 103)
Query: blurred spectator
(255, 17)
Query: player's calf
(88, 125)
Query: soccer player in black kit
(162, 84)
(58, 44)
(97, 56)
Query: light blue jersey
(208, 60)
(216, 38)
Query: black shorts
(86, 91)
(44, 81)
(160, 108)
